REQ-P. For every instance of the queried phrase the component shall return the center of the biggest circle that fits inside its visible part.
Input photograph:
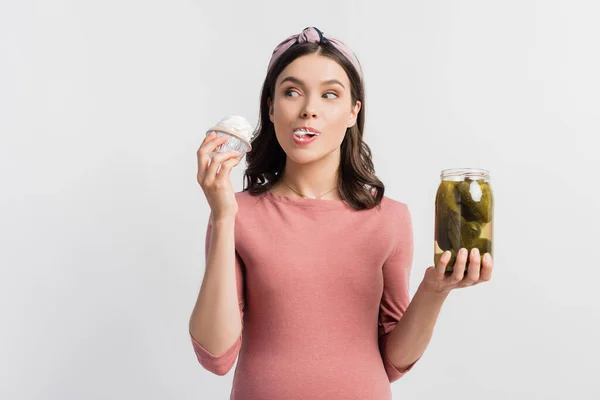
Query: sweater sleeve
(220, 364)
(395, 298)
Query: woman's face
(312, 92)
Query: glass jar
(464, 213)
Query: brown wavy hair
(358, 185)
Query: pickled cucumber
(462, 233)
(470, 231)
(446, 204)
(476, 200)
(448, 197)
(453, 227)
(484, 245)
(441, 233)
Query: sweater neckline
(302, 201)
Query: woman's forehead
(314, 69)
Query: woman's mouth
(304, 136)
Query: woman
(307, 269)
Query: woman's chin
(301, 156)
(302, 159)
(308, 156)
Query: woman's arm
(216, 322)
(409, 339)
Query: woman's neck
(311, 181)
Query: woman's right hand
(215, 182)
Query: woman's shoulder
(394, 206)
(247, 200)
(244, 196)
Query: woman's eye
(334, 94)
(289, 92)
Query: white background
(104, 104)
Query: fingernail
(476, 251)
(487, 257)
(463, 252)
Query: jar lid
(476, 173)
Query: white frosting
(236, 125)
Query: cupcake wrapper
(232, 144)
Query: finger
(226, 168)
(460, 265)
(442, 264)
(208, 146)
(211, 142)
(474, 266)
(209, 138)
(215, 163)
(486, 268)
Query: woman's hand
(215, 182)
(437, 281)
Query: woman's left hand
(480, 270)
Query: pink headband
(313, 35)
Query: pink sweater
(320, 287)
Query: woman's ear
(270, 105)
(354, 114)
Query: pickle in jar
(446, 204)
(476, 200)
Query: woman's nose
(309, 111)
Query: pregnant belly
(347, 376)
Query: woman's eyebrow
(301, 83)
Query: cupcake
(239, 133)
